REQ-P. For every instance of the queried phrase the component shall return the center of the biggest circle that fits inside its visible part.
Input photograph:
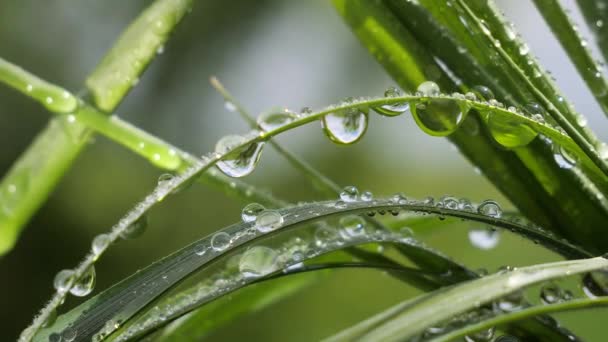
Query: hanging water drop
(436, 117)
(481, 336)
(349, 194)
(550, 294)
(251, 212)
(240, 161)
(325, 235)
(274, 119)
(136, 229)
(563, 158)
(484, 238)
(510, 133)
(69, 335)
(268, 220)
(353, 225)
(392, 109)
(490, 208)
(483, 93)
(220, 241)
(85, 284)
(63, 280)
(511, 302)
(345, 126)
(258, 261)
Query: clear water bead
(239, 161)
(550, 294)
(353, 225)
(258, 261)
(85, 284)
(268, 220)
(367, 196)
(251, 211)
(490, 208)
(349, 194)
(220, 241)
(345, 126)
(437, 117)
(63, 280)
(392, 109)
(276, 118)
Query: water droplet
(481, 336)
(268, 220)
(340, 204)
(85, 284)
(220, 241)
(484, 238)
(69, 335)
(200, 249)
(550, 294)
(229, 106)
(406, 232)
(353, 225)
(563, 158)
(510, 133)
(595, 284)
(276, 118)
(393, 109)
(490, 208)
(165, 179)
(367, 196)
(399, 198)
(349, 194)
(345, 126)
(325, 235)
(258, 261)
(483, 93)
(241, 161)
(63, 280)
(524, 49)
(251, 211)
(511, 302)
(436, 117)
(449, 202)
(136, 229)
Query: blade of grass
(595, 13)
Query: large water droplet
(220, 241)
(484, 238)
(490, 208)
(136, 229)
(353, 225)
(595, 284)
(483, 93)
(251, 212)
(550, 294)
(85, 284)
(275, 118)
(510, 133)
(367, 196)
(393, 109)
(345, 126)
(563, 157)
(349, 194)
(268, 220)
(436, 117)
(325, 235)
(258, 261)
(481, 336)
(241, 161)
(69, 335)
(63, 280)
(511, 302)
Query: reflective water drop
(258, 261)
(275, 118)
(483, 93)
(268, 220)
(436, 117)
(229, 106)
(595, 284)
(510, 133)
(399, 198)
(550, 294)
(511, 302)
(490, 208)
(484, 238)
(200, 249)
(63, 280)
(563, 157)
(241, 161)
(406, 232)
(353, 225)
(325, 235)
(69, 335)
(481, 336)
(136, 229)
(393, 109)
(534, 108)
(345, 126)
(251, 212)
(85, 284)
(367, 196)
(220, 241)
(165, 179)
(349, 194)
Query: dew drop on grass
(436, 117)
(510, 133)
(483, 93)
(240, 162)
(258, 261)
(325, 235)
(563, 157)
(345, 126)
(165, 179)
(367, 196)
(399, 198)
(63, 280)
(85, 284)
(69, 335)
(220, 241)
(349, 194)
(484, 238)
(200, 249)
(353, 225)
(406, 232)
(490, 208)
(136, 229)
(595, 284)
(251, 212)
(393, 109)
(481, 336)
(268, 220)
(275, 118)
(511, 302)
(550, 294)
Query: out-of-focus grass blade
(596, 15)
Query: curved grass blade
(411, 318)
(575, 46)
(595, 13)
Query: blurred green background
(268, 53)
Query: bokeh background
(268, 53)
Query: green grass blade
(595, 13)
(411, 318)
(572, 42)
